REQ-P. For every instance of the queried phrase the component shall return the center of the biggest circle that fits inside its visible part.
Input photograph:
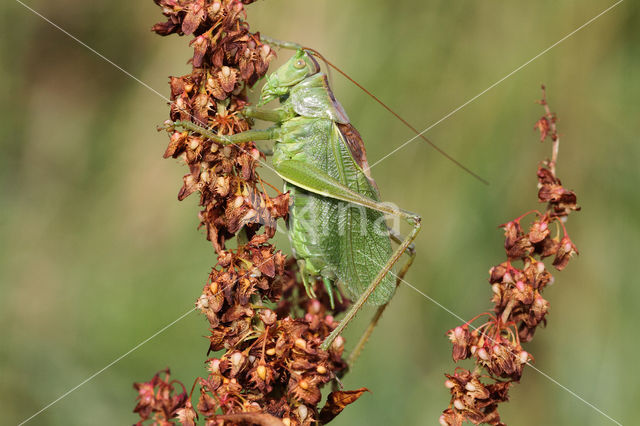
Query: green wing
(351, 241)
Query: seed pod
(301, 344)
(482, 354)
(302, 412)
(262, 372)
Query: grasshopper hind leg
(313, 179)
(411, 252)
(405, 246)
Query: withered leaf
(261, 419)
(235, 312)
(543, 127)
(227, 79)
(538, 231)
(545, 176)
(177, 86)
(190, 186)
(337, 401)
(207, 405)
(547, 247)
(215, 89)
(305, 391)
(195, 16)
(187, 415)
(165, 28)
(200, 45)
(565, 252)
(176, 144)
(268, 267)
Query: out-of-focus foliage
(96, 254)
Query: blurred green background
(96, 253)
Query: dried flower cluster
(272, 370)
(519, 308)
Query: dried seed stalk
(272, 370)
(519, 308)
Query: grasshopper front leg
(247, 136)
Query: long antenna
(395, 114)
(295, 46)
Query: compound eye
(300, 63)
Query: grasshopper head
(300, 66)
